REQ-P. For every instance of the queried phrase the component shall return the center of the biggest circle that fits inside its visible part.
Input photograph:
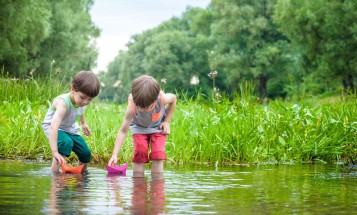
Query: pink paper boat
(121, 170)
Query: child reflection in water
(65, 189)
(148, 198)
(115, 203)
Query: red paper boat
(121, 170)
(71, 169)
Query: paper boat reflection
(120, 170)
(71, 169)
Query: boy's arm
(170, 100)
(60, 106)
(121, 135)
(85, 128)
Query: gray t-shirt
(147, 122)
(68, 123)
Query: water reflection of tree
(148, 198)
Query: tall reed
(233, 131)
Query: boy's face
(80, 99)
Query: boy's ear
(72, 89)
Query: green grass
(223, 131)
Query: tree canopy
(42, 37)
(285, 48)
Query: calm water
(30, 188)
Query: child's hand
(165, 127)
(60, 160)
(86, 130)
(113, 160)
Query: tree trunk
(263, 79)
(348, 85)
(350, 82)
(344, 83)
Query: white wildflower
(194, 80)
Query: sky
(120, 19)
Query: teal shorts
(67, 143)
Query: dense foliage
(43, 37)
(286, 48)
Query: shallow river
(30, 188)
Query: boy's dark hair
(86, 82)
(145, 91)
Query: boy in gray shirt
(60, 124)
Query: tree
(171, 51)
(325, 32)
(247, 43)
(43, 36)
(69, 47)
(23, 26)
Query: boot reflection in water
(148, 200)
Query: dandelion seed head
(213, 74)
(33, 70)
(194, 80)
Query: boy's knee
(158, 155)
(140, 156)
(84, 156)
